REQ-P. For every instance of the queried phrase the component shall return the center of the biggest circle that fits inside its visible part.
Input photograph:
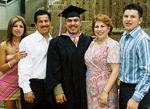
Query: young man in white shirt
(32, 69)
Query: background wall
(8, 10)
(112, 8)
(31, 6)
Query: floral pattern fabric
(97, 61)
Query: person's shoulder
(29, 37)
(144, 34)
(85, 35)
(59, 38)
(54, 40)
(113, 42)
(3, 44)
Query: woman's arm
(4, 66)
(111, 81)
(113, 77)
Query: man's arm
(59, 94)
(24, 72)
(53, 70)
(143, 84)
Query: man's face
(43, 24)
(73, 25)
(131, 20)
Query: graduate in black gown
(66, 70)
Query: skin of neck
(73, 34)
(99, 40)
(16, 40)
(46, 36)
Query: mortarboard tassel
(60, 25)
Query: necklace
(97, 44)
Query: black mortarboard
(72, 11)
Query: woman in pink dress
(102, 60)
(9, 57)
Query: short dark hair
(41, 12)
(134, 7)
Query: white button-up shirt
(34, 65)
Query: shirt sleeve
(24, 68)
(58, 89)
(143, 84)
(114, 53)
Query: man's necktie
(75, 41)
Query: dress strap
(15, 45)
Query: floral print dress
(97, 61)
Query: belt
(38, 80)
(127, 84)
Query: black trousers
(38, 88)
(126, 92)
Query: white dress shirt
(33, 66)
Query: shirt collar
(134, 32)
(39, 37)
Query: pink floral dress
(98, 73)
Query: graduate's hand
(132, 104)
(61, 98)
(29, 97)
(103, 98)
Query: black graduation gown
(65, 65)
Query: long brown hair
(11, 23)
